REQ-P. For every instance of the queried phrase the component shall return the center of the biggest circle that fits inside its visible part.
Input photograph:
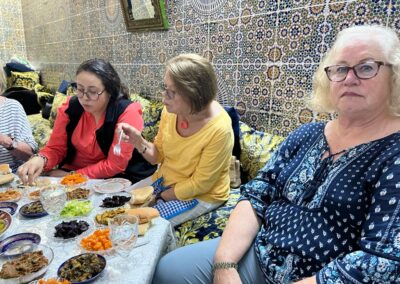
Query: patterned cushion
(208, 226)
(41, 129)
(58, 100)
(151, 115)
(26, 80)
(257, 148)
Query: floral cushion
(58, 100)
(41, 129)
(151, 115)
(26, 80)
(207, 226)
(256, 149)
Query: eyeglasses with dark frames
(91, 95)
(363, 71)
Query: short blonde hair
(194, 78)
(389, 44)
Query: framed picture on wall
(142, 15)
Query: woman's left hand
(169, 194)
(309, 280)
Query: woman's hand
(30, 170)
(130, 134)
(226, 276)
(169, 194)
(5, 140)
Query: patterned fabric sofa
(256, 148)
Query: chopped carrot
(75, 178)
(98, 240)
(53, 281)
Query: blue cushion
(236, 130)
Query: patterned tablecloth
(137, 268)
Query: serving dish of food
(112, 185)
(83, 268)
(96, 241)
(27, 266)
(9, 207)
(33, 210)
(5, 221)
(78, 193)
(115, 200)
(18, 243)
(74, 179)
(76, 208)
(69, 230)
(10, 194)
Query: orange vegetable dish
(73, 179)
(99, 240)
(53, 281)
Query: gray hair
(388, 42)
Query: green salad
(76, 208)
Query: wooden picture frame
(142, 15)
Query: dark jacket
(138, 168)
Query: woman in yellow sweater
(193, 146)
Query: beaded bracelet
(224, 265)
(40, 156)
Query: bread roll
(143, 228)
(145, 214)
(141, 195)
(6, 178)
(5, 169)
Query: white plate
(112, 185)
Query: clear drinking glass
(124, 233)
(53, 199)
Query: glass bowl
(28, 276)
(89, 263)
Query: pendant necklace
(184, 124)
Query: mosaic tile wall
(12, 39)
(264, 52)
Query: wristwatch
(12, 146)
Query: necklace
(184, 124)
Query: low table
(138, 268)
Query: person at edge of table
(193, 146)
(326, 206)
(84, 132)
(16, 140)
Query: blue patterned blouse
(339, 220)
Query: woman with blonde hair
(193, 146)
(326, 206)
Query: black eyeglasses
(91, 95)
(365, 70)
